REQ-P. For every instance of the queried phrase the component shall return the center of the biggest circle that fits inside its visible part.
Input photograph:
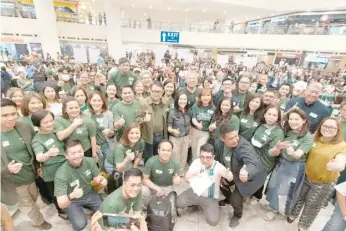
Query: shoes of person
(254, 201)
(289, 219)
(269, 216)
(302, 229)
(44, 226)
(235, 221)
(223, 203)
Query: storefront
(287, 57)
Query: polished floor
(251, 221)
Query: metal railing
(17, 12)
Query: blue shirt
(29, 71)
(99, 60)
(219, 97)
(315, 112)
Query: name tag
(243, 120)
(87, 172)
(74, 183)
(170, 171)
(268, 132)
(158, 171)
(5, 143)
(313, 115)
(210, 112)
(255, 124)
(99, 120)
(79, 131)
(49, 142)
(228, 158)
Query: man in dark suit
(238, 155)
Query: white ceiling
(207, 11)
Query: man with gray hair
(310, 104)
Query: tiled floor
(252, 220)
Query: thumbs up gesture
(176, 132)
(332, 166)
(147, 117)
(229, 175)
(212, 127)
(199, 125)
(122, 120)
(14, 167)
(53, 151)
(130, 155)
(290, 151)
(243, 174)
(77, 192)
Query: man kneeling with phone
(121, 210)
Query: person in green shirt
(32, 102)
(124, 76)
(85, 82)
(128, 152)
(242, 91)
(284, 93)
(202, 113)
(81, 96)
(103, 120)
(111, 93)
(161, 173)
(18, 165)
(266, 136)
(169, 95)
(125, 111)
(249, 117)
(127, 198)
(49, 151)
(223, 114)
(72, 184)
(288, 176)
(65, 84)
(191, 90)
(147, 80)
(73, 125)
(16, 95)
(24, 83)
(138, 89)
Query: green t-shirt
(282, 104)
(26, 120)
(16, 150)
(344, 128)
(203, 114)
(84, 108)
(42, 143)
(116, 203)
(82, 133)
(23, 82)
(66, 88)
(265, 139)
(327, 99)
(120, 80)
(234, 121)
(111, 104)
(68, 177)
(159, 173)
(191, 97)
(241, 98)
(128, 111)
(118, 154)
(227, 156)
(304, 143)
(100, 126)
(247, 126)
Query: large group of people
(111, 137)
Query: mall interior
(306, 33)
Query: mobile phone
(117, 221)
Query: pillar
(46, 21)
(113, 16)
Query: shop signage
(11, 40)
(169, 37)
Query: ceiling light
(258, 17)
(169, 8)
(186, 19)
(133, 5)
(151, 7)
(145, 14)
(205, 10)
(186, 9)
(93, 0)
(224, 12)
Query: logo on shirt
(87, 172)
(49, 142)
(170, 171)
(5, 143)
(158, 171)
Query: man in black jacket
(238, 155)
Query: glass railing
(17, 12)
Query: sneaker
(44, 226)
(235, 221)
(302, 229)
(269, 216)
(289, 219)
(254, 201)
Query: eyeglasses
(156, 92)
(244, 82)
(205, 157)
(330, 128)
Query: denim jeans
(108, 167)
(105, 149)
(336, 222)
(151, 149)
(75, 212)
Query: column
(46, 22)
(113, 16)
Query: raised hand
(147, 117)
(243, 174)
(130, 155)
(53, 151)
(77, 192)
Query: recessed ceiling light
(224, 12)
(133, 5)
(151, 7)
(169, 8)
(186, 9)
(205, 10)
(145, 14)
(258, 16)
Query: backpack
(159, 213)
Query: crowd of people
(110, 136)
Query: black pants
(88, 153)
(259, 193)
(41, 185)
(235, 199)
(50, 187)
